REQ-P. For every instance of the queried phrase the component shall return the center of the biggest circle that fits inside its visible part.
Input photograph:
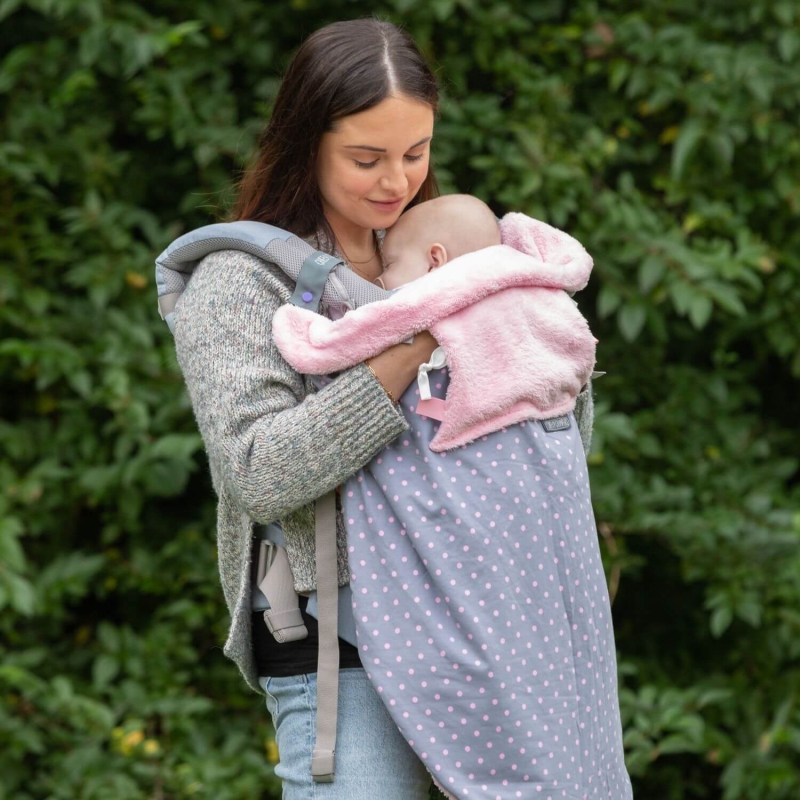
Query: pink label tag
(433, 408)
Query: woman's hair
(341, 69)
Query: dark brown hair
(341, 69)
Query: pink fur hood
(515, 343)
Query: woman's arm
(397, 366)
(275, 448)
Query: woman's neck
(359, 242)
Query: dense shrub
(663, 135)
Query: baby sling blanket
(482, 612)
(480, 605)
(516, 344)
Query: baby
(425, 238)
(433, 233)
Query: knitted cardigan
(274, 444)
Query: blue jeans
(373, 759)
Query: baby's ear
(437, 256)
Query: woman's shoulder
(235, 276)
(238, 268)
(232, 281)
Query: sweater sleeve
(273, 447)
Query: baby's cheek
(389, 280)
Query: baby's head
(433, 233)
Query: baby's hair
(462, 222)
(476, 222)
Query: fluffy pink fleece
(517, 347)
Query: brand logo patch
(556, 423)
(322, 259)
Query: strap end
(323, 765)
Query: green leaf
(11, 553)
(682, 294)
(789, 44)
(712, 696)
(607, 301)
(618, 74)
(631, 319)
(726, 297)
(700, 310)
(8, 7)
(19, 593)
(749, 609)
(722, 148)
(81, 382)
(109, 637)
(691, 133)
(651, 270)
(181, 446)
(104, 670)
(720, 620)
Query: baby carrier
(318, 277)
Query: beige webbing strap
(167, 303)
(283, 617)
(323, 756)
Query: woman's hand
(397, 366)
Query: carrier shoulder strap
(308, 293)
(291, 254)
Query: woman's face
(378, 155)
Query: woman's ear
(437, 256)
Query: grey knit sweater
(274, 444)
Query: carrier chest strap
(312, 279)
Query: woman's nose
(395, 182)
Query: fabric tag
(556, 423)
(433, 408)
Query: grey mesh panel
(343, 286)
(184, 259)
(173, 281)
(359, 290)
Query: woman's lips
(387, 206)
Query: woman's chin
(383, 220)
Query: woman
(346, 152)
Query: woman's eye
(370, 164)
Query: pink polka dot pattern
(482, 611)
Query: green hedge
(663, 135)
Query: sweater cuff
(375, 386)
(370, 412)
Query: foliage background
(664, 136)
